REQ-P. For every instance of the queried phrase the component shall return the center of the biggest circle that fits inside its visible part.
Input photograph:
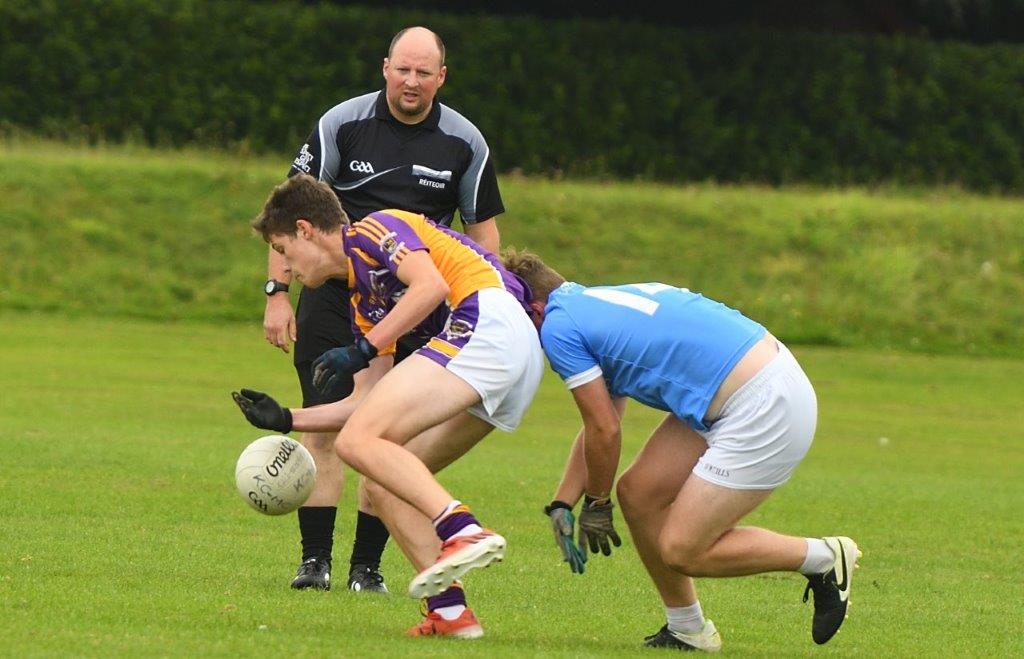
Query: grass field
(122, 533)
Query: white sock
(447, 509)
(450, 612)
(820, 557)
(685, 619)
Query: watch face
(269, 287)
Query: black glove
(596, 526)
(263, 411)
(562, 522)
(337, 362)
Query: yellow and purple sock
(455, 520)
(450, 604)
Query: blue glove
(337, 362)
(562, 522)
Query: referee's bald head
(418, 36)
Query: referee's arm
(485, 233)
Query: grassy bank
(164, 235)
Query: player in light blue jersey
(741, 417)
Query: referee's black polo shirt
(374, 162)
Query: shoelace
(309, 565)
(364, 574)
(816, 584)
(427, 627)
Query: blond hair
(538, 276)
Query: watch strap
(272, 286)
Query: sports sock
(316, 526)
(450, 604)
(455, 520)
(685, 619)
(371, 537)
(819, 557)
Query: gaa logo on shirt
(302, 160)
(361, 166)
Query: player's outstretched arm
(569, 491)
(264, 412)
(602, 445)
(333, 416)
(574, 479)
(560, 509)
(564, 526)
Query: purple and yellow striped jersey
(377, 244)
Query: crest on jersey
(457, 329)
(389, 243)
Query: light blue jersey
(663, 346)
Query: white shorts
(765, 429)
(492, 344)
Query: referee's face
(413, 74)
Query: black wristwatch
(273, 286)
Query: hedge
(573, 97)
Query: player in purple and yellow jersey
(379, 244)
(479, 370)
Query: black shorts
(323, 320)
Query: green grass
(131, 232)
(122, 533)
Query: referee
(396, 148)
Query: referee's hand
(279, 321)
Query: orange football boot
(458, 556)
(465, 626)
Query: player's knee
(629, 493)
(636, 497)
(679, 553)
(348, 447)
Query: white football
(275, 474)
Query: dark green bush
(578, 97)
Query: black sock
(316, 524)
(371, 536)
